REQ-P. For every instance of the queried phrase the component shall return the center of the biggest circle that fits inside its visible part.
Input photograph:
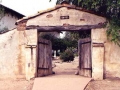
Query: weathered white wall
(10, 64)
(8, 21)
(27, 55)
(31, 53)
(17, 60)
(97, 63)
(76, 17)
(111, 62)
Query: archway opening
(60, 67)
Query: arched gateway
(36, 52)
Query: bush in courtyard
(67, 56)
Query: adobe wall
(112, 60)
(75, 17)
(28, 52)
(31, 53)
(17, 60)
(105, 60)
(11, 66)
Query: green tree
(61, 43)
(57, 43)
(71, 39)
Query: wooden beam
(30, 46)
(64, 28)
(98, 44)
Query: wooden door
(85, 64)
(44, 66)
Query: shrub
(67, 56)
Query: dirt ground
(107, 84)
(16, 85)
(60, 68)
(71, 67)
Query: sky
(29, 7)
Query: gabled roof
(53, 9)
(12, 11)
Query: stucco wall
(10, 64)
(8, 21)
(111, 62)
(16, 60)
(76, 17)
(31, 53)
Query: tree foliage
(107, 8)
(57, 43)
(60, 43)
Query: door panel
(85, 65)
(44, 57)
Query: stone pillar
(98, 37)
(20, 70)
(97, 61)
(31, 53)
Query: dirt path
(107, 84)
(65, 68)
(16, 84)
(62, 70)
(71, 68)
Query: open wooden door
(85, 64)
(44, 66)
